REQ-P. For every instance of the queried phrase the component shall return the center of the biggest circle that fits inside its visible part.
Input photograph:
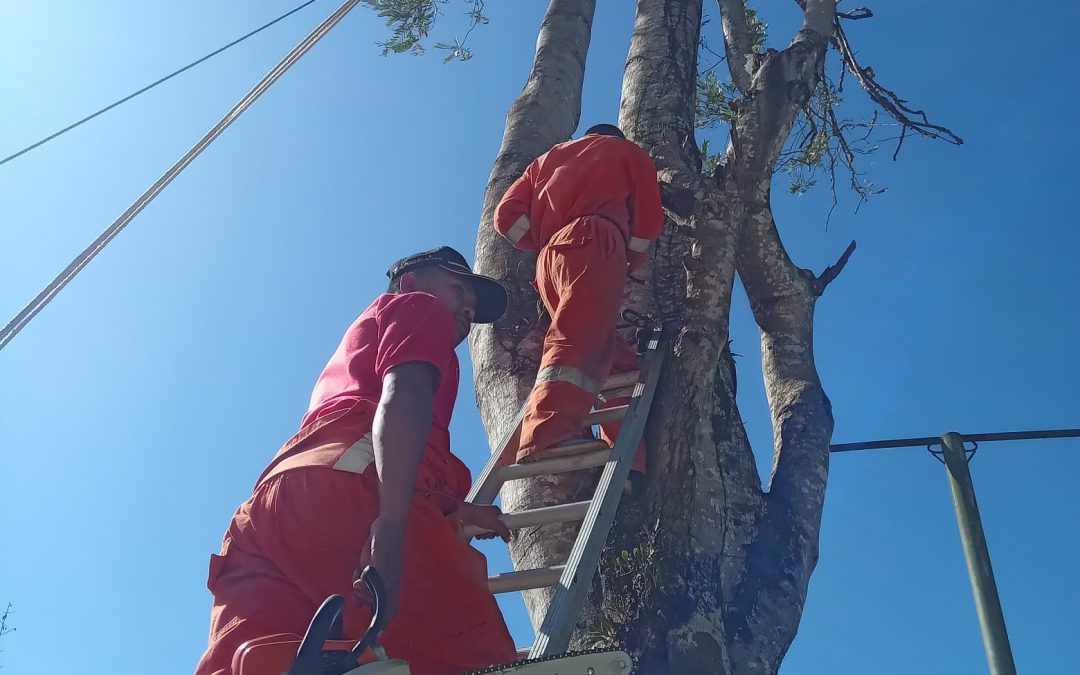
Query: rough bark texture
(716, 569)
(505, 356)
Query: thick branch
(505, 355)
(818, 16)
(782, 300)
(657, 110)
(738, 43)
(782, 85)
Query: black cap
(606, 130)
(490, 294)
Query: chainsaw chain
(542, 659)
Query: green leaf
(714, 101)
(410, 23)
(758, 29)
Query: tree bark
(705, 572)
(506, 354)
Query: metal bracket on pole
(987, 603)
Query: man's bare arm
(400, 432)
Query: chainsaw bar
(601, 661)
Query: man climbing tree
(591, 207)
(721, 567)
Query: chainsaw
(320, 652)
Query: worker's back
(593, 175)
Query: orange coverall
(304, 531)
(591, 207)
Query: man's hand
(383, 552)
(487, 518)
(635, 260)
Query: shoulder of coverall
(426, 311)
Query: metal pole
(987, 604)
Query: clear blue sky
(138, 409)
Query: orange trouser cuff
(556, 412)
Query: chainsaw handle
(370, 577)
(324, 625)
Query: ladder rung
(624, 392)
(621, 380)
(606, 415)
(547, 515)
(525, 579)
(576, 449)
(547, 467)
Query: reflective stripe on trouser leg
(575, 376)
(580, 274)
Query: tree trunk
(705, 572)
(506, 355)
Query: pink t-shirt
(395, 329)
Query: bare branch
(4, 629)
(900, 143)
(832, 271)
(911, 119)
(839, 132)
(737, 41)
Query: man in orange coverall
(591, 207)
(370, 479)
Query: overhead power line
(8, 332)
(154, 84)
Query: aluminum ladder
(571, 580)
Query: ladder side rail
(561, 617)
(486, 488)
